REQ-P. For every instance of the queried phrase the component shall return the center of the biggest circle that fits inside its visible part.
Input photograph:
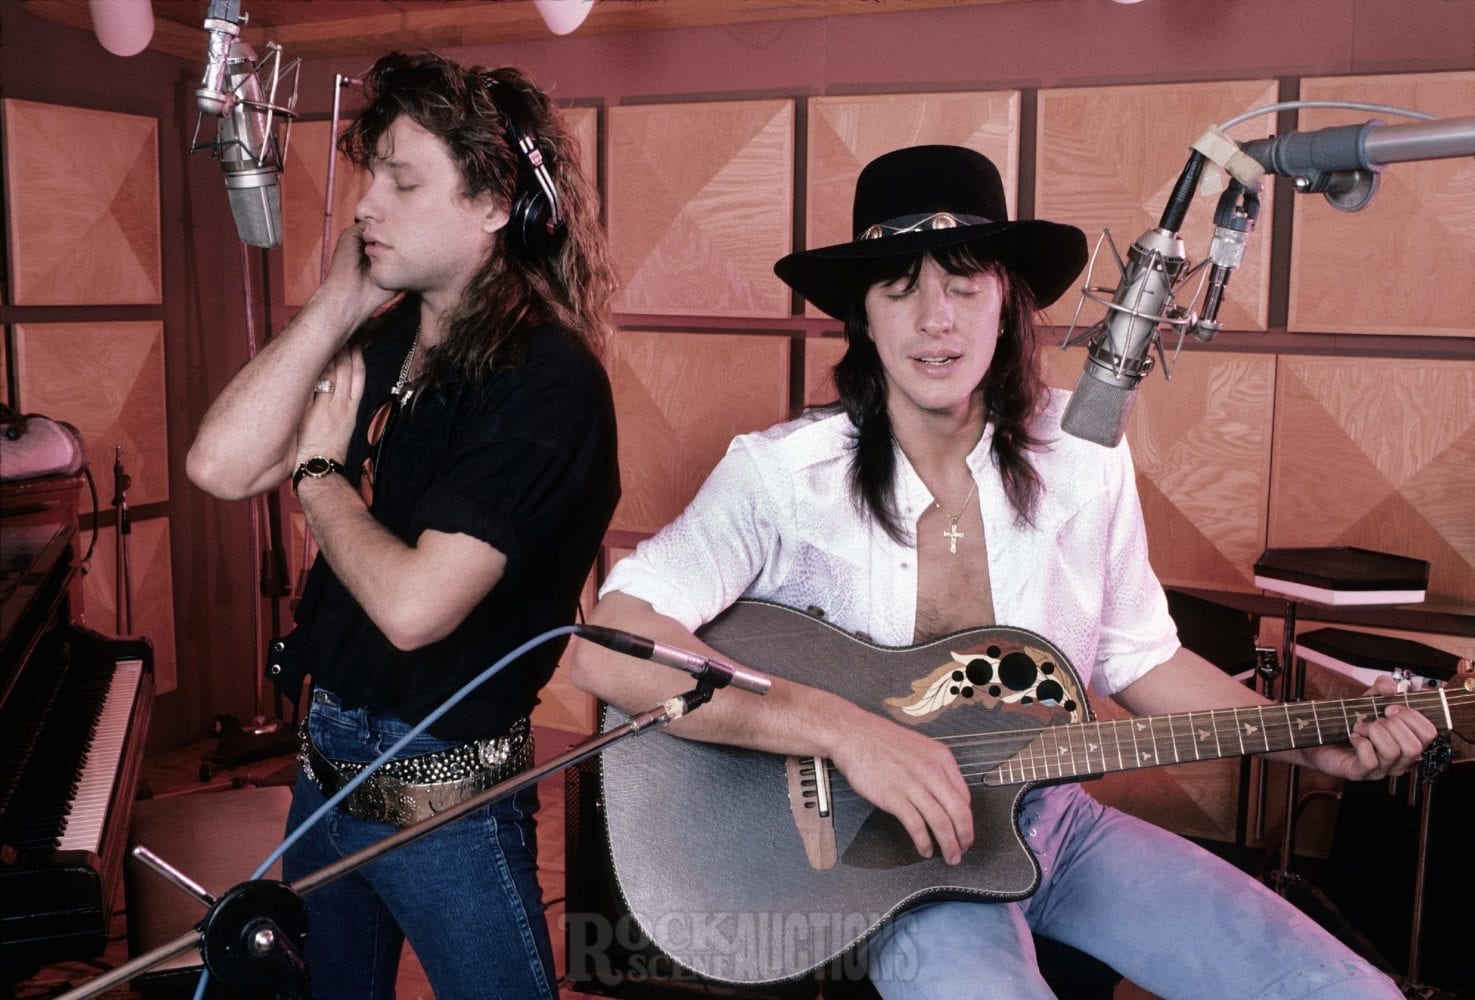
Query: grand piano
(74, 712)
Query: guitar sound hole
(1018, 671)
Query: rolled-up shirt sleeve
(700, 563)
(1136, 631)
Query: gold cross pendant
(952, 534)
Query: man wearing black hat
(939, 495)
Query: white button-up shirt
(775, 521)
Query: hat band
(921, 223)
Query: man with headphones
(440, 408)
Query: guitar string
(1429, 698)
(841, 791)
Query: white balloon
(123, 27)
(563, 16)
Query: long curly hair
(1013, 389)
(507, 295)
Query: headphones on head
(535, 227)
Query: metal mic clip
(254, 91)
(223, 21)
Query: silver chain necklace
(401, 389)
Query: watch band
(316, 467)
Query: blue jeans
(466, 895)
(1163, 912)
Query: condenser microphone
(250, 157)
(716, 672)
(1119, 346)
(231, 92)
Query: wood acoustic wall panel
(821, 354)
(1202, 446)
(1109, 158)
(680, 399)
(846, 133)
(107, 379)
(304, 195)
(1195, 799)
(700, 205)
(150, 586)
(583, 126)
(1379, 453)
(1404, 264)
(82, 191)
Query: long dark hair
(507, 294)
(1013, 389)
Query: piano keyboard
(87, 809)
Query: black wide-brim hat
(924, 197)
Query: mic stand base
(653, 718)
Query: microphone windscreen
(1098, 412)
(258, 213)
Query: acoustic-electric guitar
(750, 867)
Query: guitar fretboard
(1089, 748)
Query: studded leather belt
(403, 792)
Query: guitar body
(708, 841)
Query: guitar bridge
(812, 807)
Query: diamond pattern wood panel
(1196, 799)
(1109, 157)
(82, 191)
(846, 133)
(700, 205)
(821, 354)
(680, 398)
(151, 590)
(304, 195)
(1201, 444)
(1403, 265)
(108, 380)
(1379, 453)
(583, 125)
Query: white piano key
(88, 808)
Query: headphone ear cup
(531, 231)
(535, 226)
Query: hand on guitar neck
(1379, 747)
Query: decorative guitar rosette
(1004, 672)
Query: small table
(1329, 576)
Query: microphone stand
(252, 936)
(122, 575)
(264, 736)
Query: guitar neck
(1087, 749)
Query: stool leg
(1417, 925)
(1292, 688)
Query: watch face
(317, 467)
